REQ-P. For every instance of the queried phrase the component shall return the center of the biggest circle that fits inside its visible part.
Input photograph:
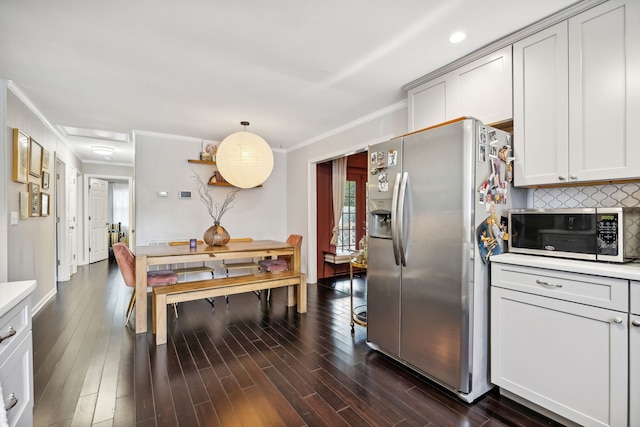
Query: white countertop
(629, 271)
(12, 293)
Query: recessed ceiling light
(103, 151)
(457, 37)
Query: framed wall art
(45, 159)
(35, 159)
(44, 204)
(45, 180)
(24, 204)
(20, 156)
(34, 199)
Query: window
(347, 227)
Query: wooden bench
(210, 288)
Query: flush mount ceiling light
(244, 159)
(457, 37)
(103, 151)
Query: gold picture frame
(45, 205)
(45, 180)
(34, 199)
(20, 156)
(35, 159)
(45, 159)
(24, 205)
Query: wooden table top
(177, 250)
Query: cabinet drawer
(15, 376)
(597, 291)
(18, 320)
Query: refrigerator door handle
(401, 200)
(394, 215)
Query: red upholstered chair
(127, 265)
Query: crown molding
(15, 89)
(362, 120)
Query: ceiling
(295, 69)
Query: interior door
(72, 218)
(98, 243)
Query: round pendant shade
(244, 159)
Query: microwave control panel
(607, 233)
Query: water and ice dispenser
(380, 219)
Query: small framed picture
(34, 199)
(20, 157)
(44, 204)
(24, 204)
(45, 159)
(45, 180)
(35, 159)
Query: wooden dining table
(167, 255)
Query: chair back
(126, 263)
(294, 240)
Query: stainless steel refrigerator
(434, 197)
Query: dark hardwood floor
(248, 363)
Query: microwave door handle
(401, 230)
(394, 225)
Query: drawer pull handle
(635, 323)
(552, 285)
(617, 319)
(11, 333)
(14, 401)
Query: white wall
(162, 165)
(5, 154)
(301, 179)
(31, 243)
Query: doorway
(352, 226)
(109, 201)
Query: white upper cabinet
(604, 92)
(540, 111)
(576, 96)
(481, 89)
(428, 104)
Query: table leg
(141, 294)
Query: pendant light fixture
(244, 159)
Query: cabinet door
(634, 370)
(604, 93)
(568, 358)
(428, 104)
(483, 88)
(540, 110)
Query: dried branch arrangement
(216, 211)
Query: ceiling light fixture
(457, 37)
(244, 159)
(103, 151)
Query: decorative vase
(216, 235)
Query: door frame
(63, 271)
(85, 221)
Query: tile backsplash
(591, 196)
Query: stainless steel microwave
(599, 234)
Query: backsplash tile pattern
(592, 196)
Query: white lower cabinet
(553, 350)
(16, 352)
(634, 355)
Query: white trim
(44, 301)
(358, 122)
